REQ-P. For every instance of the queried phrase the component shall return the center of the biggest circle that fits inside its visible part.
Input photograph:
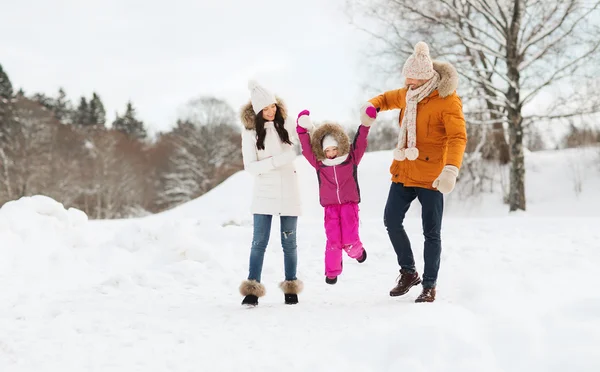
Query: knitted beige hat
(260, 97)
(419, 64)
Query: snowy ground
(516, 293)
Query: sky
(162, 54)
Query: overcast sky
(161, 54)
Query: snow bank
(47, 248)
(40, 245)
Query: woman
(269, 156)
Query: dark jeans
(432, 202)
(260, 240)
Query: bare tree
(207, 149)
(509, 51)
(581, 136)
(26, 148)
(113, 178)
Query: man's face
(415, 83)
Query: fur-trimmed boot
(290, 289)
(252, 290)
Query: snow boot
(291, 299)
(362, 258)
(250, 300)
(252, 290)
(291, 289)
(331, 281)
(406, 281)
(428, 295)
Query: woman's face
(268, 112)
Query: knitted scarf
(407, 138)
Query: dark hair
(259, 123)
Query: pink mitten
(368, 113)
(372, 112)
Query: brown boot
(405, 283)
(428, 295)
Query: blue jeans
(432, 203)
(260, 240)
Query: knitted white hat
(260, 97)
(419, 64)
(329, 141)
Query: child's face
(331, 152)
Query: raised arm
(389, 100)
(359, 145)
(303, 125)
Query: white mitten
(305, 122)
(446, 180)
(284, 158)
(368, 114)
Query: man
(426, 162)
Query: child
(329, 151)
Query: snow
(160, 293)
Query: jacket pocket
(395, 168)
(427, 166)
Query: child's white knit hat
(329, 141)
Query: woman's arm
(251, 162)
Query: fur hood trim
(448, 78)
(334, 129)
(248, 116)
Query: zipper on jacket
(337, 185)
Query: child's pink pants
(341, 228)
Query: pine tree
(44, 100)
(129, 124)
(97, 112)
(6, 98)
(81, 116)
(62, 107)
(6, 88)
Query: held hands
(304, 120)
(446, 180)
(368, 114)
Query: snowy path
(515, 294)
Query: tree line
(70, 152)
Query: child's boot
(362, 258)
(331, 281)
